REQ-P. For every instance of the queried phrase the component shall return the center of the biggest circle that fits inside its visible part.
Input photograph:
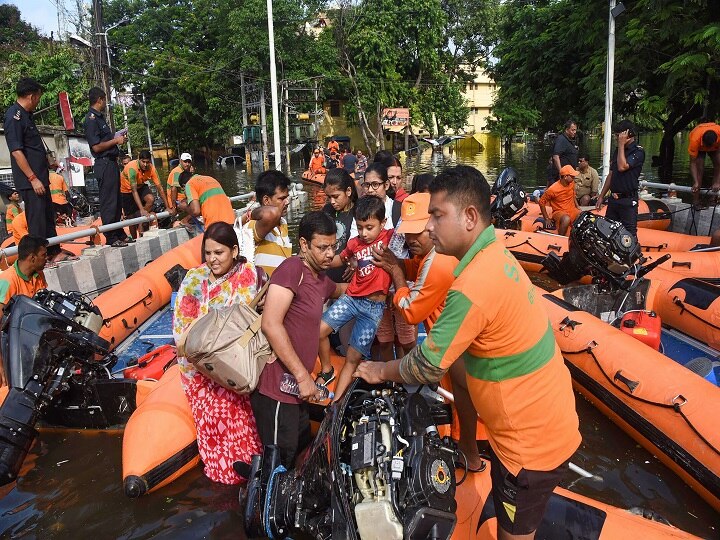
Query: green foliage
(57, 68)
(14, 32)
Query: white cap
(185, 156)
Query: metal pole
(273, 88)
(287, 127)
(129, 148)
(147, 126)
(246, 144)
(316, 122)
(609, 78)
(263, 127)
(82, 233)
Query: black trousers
(283, 424)
(40, 216)
(107, 173)
(625, 211)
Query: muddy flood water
(71, 485)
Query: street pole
(129, 148)
(147, 126)
(609, 78)
(113, 93)
(287, 126)
(104, 67)
(263, 127)
(246, 144)
(273, 87)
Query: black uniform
(22, 134)
(567, 150)
(106, 171)
(623, 200)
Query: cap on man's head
(568, 170)
(185, 156)
(414, 213)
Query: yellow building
(479, 95)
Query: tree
(14, 32)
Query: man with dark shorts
(103, 147)
(704, 141)
(28, 158)
(514, 369)
(623, 180)
(565, 149)
(291, 322)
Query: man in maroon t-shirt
(291, 322)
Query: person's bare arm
(138, 202)
(194, 208)
(386, 259)
(277, 303)
(266, 218)
(22, 162)
(340, 289)
(556, 162)
(604, 190)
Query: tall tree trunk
(676, 121)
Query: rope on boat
(675, 405)
(529, 243)
(684, 309)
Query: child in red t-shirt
(364, 299)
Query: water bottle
(289, 385)
(397, 243)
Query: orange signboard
(396, 117)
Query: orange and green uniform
(695, 144)
(19, 227)
(12, 211)
(424, 301)
(514, 369)
(132, 176)
(14, 282)
(58, 187)
(174, 181)
(561, 199)
(214, 204)
(274, 248)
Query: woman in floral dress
(226, 430)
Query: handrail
(670, 187)
(92, 231)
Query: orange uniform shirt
(561, 199)
(695, 143)
(174, 181)
(133, 176)
(433, 276)
(317, 163)
(12, 211)
(13, 282)
(214, 204)
(58, 187)
(19, 227)
(517, 380)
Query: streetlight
(615, 11)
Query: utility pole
(287, 126)
(147, 126)
(104, 73)
(316, 122)
(263, 127)
(273, 87)
(248, 154)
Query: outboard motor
(376, 469)
(508, 206)
(43, 340)
(600, 247)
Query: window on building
(334, 107)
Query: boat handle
(678, 401)
(632, 385)
(554, 247)
(687, 264)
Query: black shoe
(119, 243)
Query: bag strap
(251, 332)
(254, 302)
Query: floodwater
(71, 486)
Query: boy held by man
(364, 299)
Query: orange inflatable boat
(662, 404)
(315, 178)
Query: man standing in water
(514, 369)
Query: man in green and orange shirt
(175, 194)
(134, 191)
(206, 198)
(13, 209)
(515, 373)
(58, 190)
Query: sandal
(64, 255)
(326, 377)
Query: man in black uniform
(565, 149)
(623, 179)
(28, 158)
(103, 145)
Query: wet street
(71, 485)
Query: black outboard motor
(42, 340)
(508, 206)
(377, 468)
(598, 246)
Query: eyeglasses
(372, 185)
(326, 247)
